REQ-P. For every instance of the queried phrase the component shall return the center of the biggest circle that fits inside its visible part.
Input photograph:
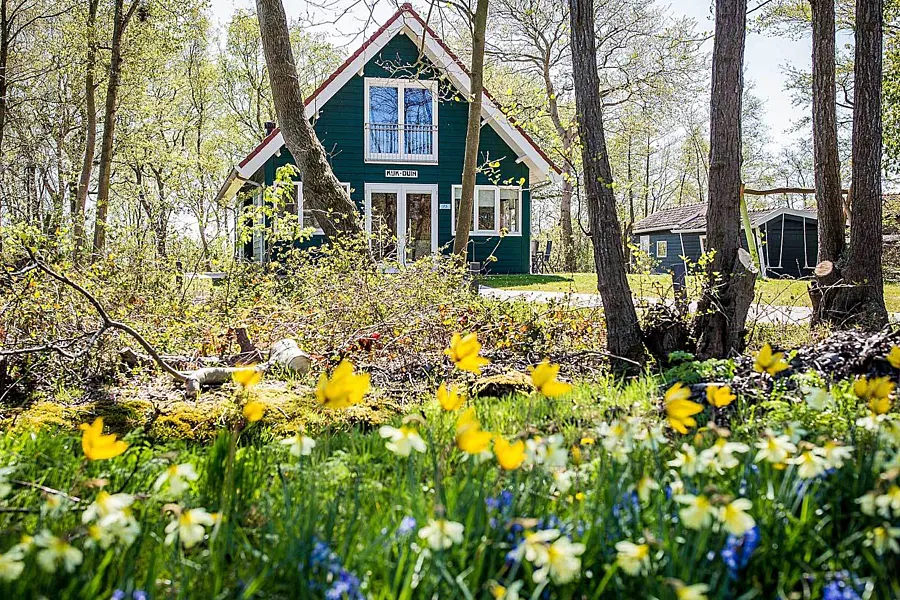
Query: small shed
(786, 239)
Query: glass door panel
(418, 225)
(384, 225)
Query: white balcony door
(402, 219)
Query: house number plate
(401, 173)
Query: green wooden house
(393, 122)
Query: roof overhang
(408, 22)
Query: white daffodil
(735, 518)
(691, 592)
(884, 539)
(775, 449)
(686, 461)
(55, 552)
(402, 441)
(555, 453)
(867, 503)
(720, 457)
(5, 487)
(562, 563)
(440, 534)
(835, 454)
(650, 437)
(617, 440)
(698, 512)
(632, 558)
(535, 545)
(889, 502)
(300, 445)
(562, 480)
(190, 527)
(644, 487)
(104, 535)
(809, 464)
(177, 478)
(818, 399)
(107, 507)
(499, 592)
(11, 564)
(871, 422)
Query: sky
(765, 55)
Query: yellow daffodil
(544, 379)
(719, 396)
(344, 388)
(893, 357)
(97, 446)
(469, 436)
(679, 409)
(876, 392)
(247, 378)
(464, 350)
(509, 455)
(254, 410)
(449, 398)
(768, 362)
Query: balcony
(401, 143)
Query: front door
(402, 219)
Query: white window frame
(259, 221)
(402, 189)
(703, 244)
(665, 245)
(298, 185)
(496, 229)
(402, 156)
(645, 244)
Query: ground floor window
(293, 205)
(662, 249)
(497, 209)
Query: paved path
(758, 312)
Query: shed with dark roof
(786, 239)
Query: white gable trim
(407, 23)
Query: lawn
(770, 291)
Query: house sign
(401, 173)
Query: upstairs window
(401, 120)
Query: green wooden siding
(340, 128)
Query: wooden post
(179, 273)
(748, 232)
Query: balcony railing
(398, 142)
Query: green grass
(351, 511)
(770, 291)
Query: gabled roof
(671, 218)
(406, 21)
(691, 218)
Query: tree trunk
(90, 133)
(121, 17)
(473, 133)
(567, 141)
(5, 25)
(858, 296)
(322, 192)
(623, 330)
(728, 286)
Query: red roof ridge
(405, 7)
